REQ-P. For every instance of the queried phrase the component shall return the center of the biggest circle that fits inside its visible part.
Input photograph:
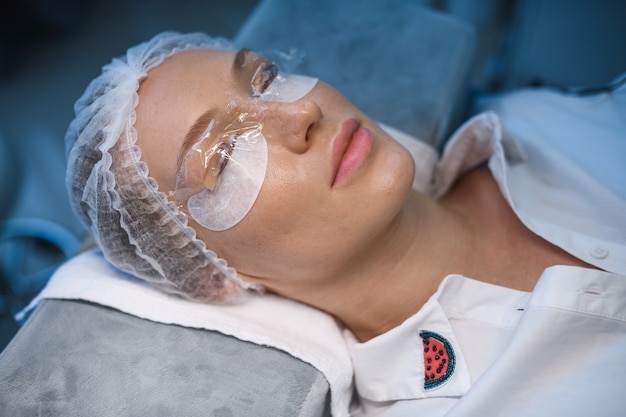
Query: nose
(289, 124)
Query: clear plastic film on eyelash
(221, 176)
(286, 86)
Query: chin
(390, 182)
(395, 169)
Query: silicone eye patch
(237, 185)
(218, 183)
(288, 88)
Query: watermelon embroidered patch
(439, 360)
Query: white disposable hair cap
(138, 228)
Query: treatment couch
(404, 65)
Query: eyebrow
(200, 125)
(197, 128)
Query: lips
(349, 150)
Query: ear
(247, 282)
(220, 288)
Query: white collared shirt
(560, 350)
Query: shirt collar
(421, 358)
(481, 138)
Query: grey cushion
(79, 359)
(402, 64)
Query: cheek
(298, 222)
(286, 199)
(275, 210)
(287, 218)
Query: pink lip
(350, 148)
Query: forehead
(186, 63)
(171, 98)
(195, 75)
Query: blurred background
(51, 49)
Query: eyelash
(223, 153)
(263, 78)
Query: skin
(370, 250)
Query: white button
(599, 252)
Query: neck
(470, 231)
(397, 273)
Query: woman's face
(334, 180)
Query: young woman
(190, 160)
